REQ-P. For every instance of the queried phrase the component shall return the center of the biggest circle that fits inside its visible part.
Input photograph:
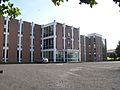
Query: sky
(103, 18)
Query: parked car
(45, 60)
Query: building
(60, 42)
(93, 48)
(26, 42)
(19, 41)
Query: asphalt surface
(61, 76)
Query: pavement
(61, 76)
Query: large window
(59, 56)
(49, 55)
(48, 31)
(72, 56)
(48, 43)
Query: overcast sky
(103, 18)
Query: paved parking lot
(61, 76)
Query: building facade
(22, 41)
(60, 42)
(93, 48)
(19, 41)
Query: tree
(89, 2)
(6, 8)
(118, 50)
(113, 56)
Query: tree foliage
(113, 56)
(118, 50)
(117, 2)
(6, 8)
(89, 2)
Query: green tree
(6, 7)
(113, 56)
(89, 2)
(118, 50)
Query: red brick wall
(76, 38)
(1, 36)
(59, 39)
(91, 48)
(26, 42)
(82, 48)
(87, 49)
(13, 38)
(68, 42)
(37, 43)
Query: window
(3, 53)
(7, 40)
(51, 43)
(41, 32)
(4, 40)
(8, 26)
(51, 30)
(94, 49)
(7, 53)
(4, 29)
(31, 31)
(31, 56)
(48, 31)
(48, 43)
(22, 29)
(59, 56)
(94, 54)
(72, 56)
(17, 54)
(21, 54)
(49, 55)
(94, 40)
(68, 34)
(89, 41)
(18, 28)
(4, 22)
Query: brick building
(19, 41)
(93, 47)
(22, 41)
(60, 42)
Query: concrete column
(54, 41)
(42, 38)
(6, 40)
(84, 48)
(72, 37)
(79, 46)
(64, 40)
(20, 40)
(32, 46)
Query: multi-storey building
(93, 47)
(22, 41)
(60, 42)
(19, 41)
